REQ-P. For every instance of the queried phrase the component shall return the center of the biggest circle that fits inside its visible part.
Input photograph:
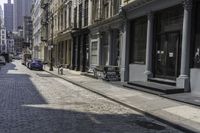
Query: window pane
(197, 39)
(94, 53)
(138, 41)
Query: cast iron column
(183, 81)
(51, 62)
(149, 46)
(125, 31)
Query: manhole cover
(150, 125)
(45, 75)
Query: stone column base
(124, 75)
(183, 82)
(148, 75)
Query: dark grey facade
(162, 43)
(27, 30)
(8, 16)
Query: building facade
(149, 40)
(8, 16)
(38, 47)
(10, 43)
(18, 41)
(21, 8)
(77, 25)
(28, 31)
(162, 42)
(105, 31)
(62, 12)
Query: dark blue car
(35, 64)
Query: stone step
(163, 81)
(155, 87)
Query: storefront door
(167, 55)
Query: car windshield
(37, 61)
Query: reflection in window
(197, 39)
(94, 53)
(138, 41)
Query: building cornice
(108, 21)
(136, 4)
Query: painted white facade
(36, 18)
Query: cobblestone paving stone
(36, 102)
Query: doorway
(167, 61)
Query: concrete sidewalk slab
(189, 98)
(180, 115)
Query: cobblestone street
(37, 102)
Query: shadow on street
(24, 110)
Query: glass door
(167, 55)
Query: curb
(183, 128)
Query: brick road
(37, 102)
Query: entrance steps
(163, 81)
(155, 88)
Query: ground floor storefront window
(104, 49)
(197, 38)
(115, 60)
(94, 53)
(138, 35)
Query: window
(169, 20)
(3, 41)
(138, 41)
(61, 23)
(106, 9)
(69, 16)
(96, 12)
(58, 22)
(94, 49)
(75, 17)
(80, 15)
(197, 39)
(116, 6)
(65, 19)
(86, 13)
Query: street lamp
(51, 46)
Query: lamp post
(50, 17)
(51, 46)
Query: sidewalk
(178, 114)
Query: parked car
(2, 60)
(35, 64)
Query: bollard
(61, 70)
(58, 70)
